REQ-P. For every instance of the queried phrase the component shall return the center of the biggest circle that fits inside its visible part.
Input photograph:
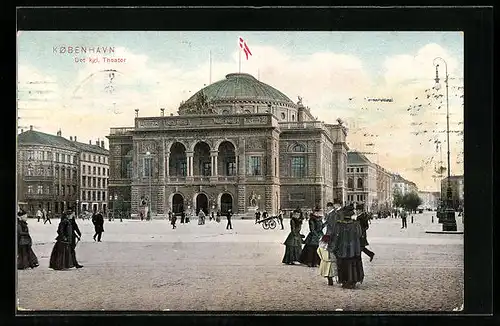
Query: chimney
(102, 143)
(59, 133)
(136, 113)
(97, 142)
(71, 138)
(75, 138)
(31, 127)
(90, 142)
(162, 112)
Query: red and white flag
(244, 47)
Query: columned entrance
(177, 204)
(201, 203)
(226, 203)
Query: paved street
(149, 266)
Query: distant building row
(56, 173)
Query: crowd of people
(334, 243)
(63, 255)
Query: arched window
(350, 183)
(360, 183)
(293, 117)
(298, 148)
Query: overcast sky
(338, 75)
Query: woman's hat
(325, 238)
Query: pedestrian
(183, 216)
(293, 242)
(212, 216)
(201, 217)
(39, 214)
(25, 255)
(432, 219)
(169, 215)
(362, 218)
(404, 215)
(328, 264)
(332, 215)
(47, 217)
(63, 254)
(346, 246)
(309, 255)
(217, 217)
(186, 219)
(257, 216)
(411, 218)
(173, 220)
(229, 215)
(98, 221)
(280, 218)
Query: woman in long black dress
(346, 247)
(25, 255)
(309, 255)
(293, 243)
(62, 255)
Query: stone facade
(265, 157)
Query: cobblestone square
(150, 266)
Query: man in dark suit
(98, 221)
(229, 215)
(76, 235)
(331, 217)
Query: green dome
(237, 87)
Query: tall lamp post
(449, 222)
(148, 155)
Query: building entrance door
(226, 203)
(201, 203)
(177, 204)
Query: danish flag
(245, 48)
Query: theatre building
(237, 144)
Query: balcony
(121, 131)
(28, 196)
(38, 178)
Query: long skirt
(62, 256)
(309, 255)
(292, 254)
(350, 270)
(26, 257)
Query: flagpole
(239, 65)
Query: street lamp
(119, 208)
(449, 223)
(148, 155)
(77, 201)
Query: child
(328, 264)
